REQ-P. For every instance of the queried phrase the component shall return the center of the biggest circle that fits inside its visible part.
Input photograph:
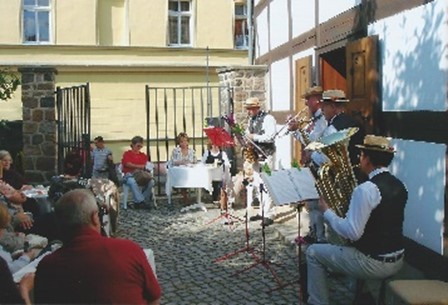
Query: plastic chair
(126, 189)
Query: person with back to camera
(133, 161)
(182, 154)
(373, 224)
(215, 155)
(91, 268)
(311, 132)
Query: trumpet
(301, 118)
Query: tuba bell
(335, 179)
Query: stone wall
(39, 124)
(246, 81)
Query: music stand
(226, 215)
(262, 260)
(292, 186)
(247, 248)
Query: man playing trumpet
(311, 132)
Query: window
(36, 21)
(241, 37)
(179, 22)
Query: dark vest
(384, 229)
(211, 159)
(256, 127)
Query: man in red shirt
(133, 160)
(91, 268)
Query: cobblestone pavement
(185, 246)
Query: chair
(126, 189)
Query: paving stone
(186, 245)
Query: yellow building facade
(118, 47)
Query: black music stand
(292, 186)
(262, 260)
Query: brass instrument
(301, 117)
(335, 179)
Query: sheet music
(290, 185)
(30, 268)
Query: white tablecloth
(192, 176)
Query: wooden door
(362, 82)
(303, 82)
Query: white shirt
(225, 159)
(316, 127)
(364, 200)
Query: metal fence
(74, 128)
(171, 110)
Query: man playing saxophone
(311, 132)
(260, 132)
(373, 224)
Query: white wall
(425, 180)
(261, 37)
(280, 85)
(278, 22)
(302, 17)
(331, 8)
(414, 58)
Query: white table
(198, 176)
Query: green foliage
(237, 129)
(266, 169)
(8, 84)
(295, 164)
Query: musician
(315, 128)
(261, 131)
(373, 224)
(333, 107)
(313, 131)
(91, 268)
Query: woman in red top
(133, 160)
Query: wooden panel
(380, 9)
(362, 81)
(303, 80)
(333, 70)
(426, 126)
(340, 27)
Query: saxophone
(335, 179)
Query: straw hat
(377, 143)
(315, 90)
(335, 96)
(252, 102)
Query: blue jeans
(140, 194)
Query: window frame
(179, 15)
(245, 20)
(35, 9)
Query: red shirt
(93, 269)
(136, 158)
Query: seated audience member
(25, 258)
(101, 159)
(182, 155)
(215, 155)
(136, 176)
(90, 268)
(9, 175)
(73, 163)
(10, 293)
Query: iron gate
(171, 110)
(73, 120)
